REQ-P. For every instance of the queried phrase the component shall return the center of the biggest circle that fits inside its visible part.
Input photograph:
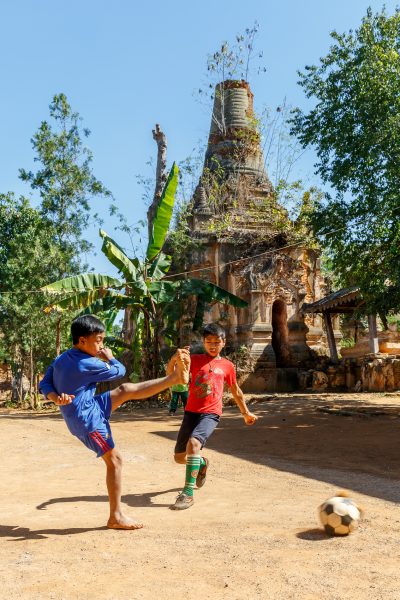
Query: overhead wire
(167, 277)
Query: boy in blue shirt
(70, 382)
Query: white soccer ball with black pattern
(339, 515)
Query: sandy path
(252, 532)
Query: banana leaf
(163, 215)
(160, 266)
(78, 301)
(116, 302)
(94, 301)
(110, 339)
(83, 283)
(210, 292)
(126, 266)
(163, 291)
(199, 315)
(173, 311)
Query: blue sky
(126, 65)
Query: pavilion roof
(344, 300)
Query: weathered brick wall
(381, 373)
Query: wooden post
(373, 334)
(331, 338)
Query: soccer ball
(339, 515)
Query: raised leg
(178, 372)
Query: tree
(156, 302)
(65, 181)
(28, 256)
(355, 128)
(47, 242)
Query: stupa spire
(234, 141)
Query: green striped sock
(192, 470)
(202, 462)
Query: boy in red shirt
(208, 372)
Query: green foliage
(394, 319)
(65, 180)
(163, 215)
(157, 304)
(348, 342)
(129, 268)
(86, 282)
(38, 245)
(180, 237)
(159, 266)
(28, 256)
(355, 129)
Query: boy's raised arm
(182, 354)
(103, 367)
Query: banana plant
(153, 303)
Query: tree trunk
(161, 176)
(128, 327)
(147, 351)
(58, 336)
(373, 334)
(21, 383)
(384, 320)
(31, 390)
(37, 394)
(150, 347)
(331, 338)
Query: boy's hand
(183, 357)
(63, 399)
(171, 365)
(249, 418)
(179, 366)
(105, 354)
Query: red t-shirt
(208, 376)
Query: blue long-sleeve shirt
(76, 373)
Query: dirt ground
(253, 530)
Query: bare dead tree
(161, 174)
(129, 325)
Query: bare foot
(122, 522)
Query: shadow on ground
(313, 535)
(349, 448)
(347, 440)
(133, 500)
(19, 534)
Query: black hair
(85, 325)
(213, 329)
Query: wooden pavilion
(346, 300)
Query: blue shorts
(100, 440)
(197, 425)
